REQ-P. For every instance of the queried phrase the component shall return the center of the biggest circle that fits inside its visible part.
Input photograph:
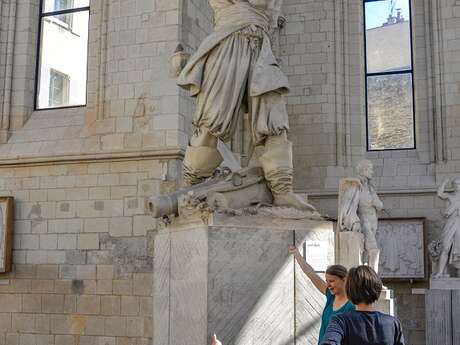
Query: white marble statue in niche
(358, 207)
(447, 250)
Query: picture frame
(6, 233)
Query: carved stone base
(233, 276)
(350, 253)
(350, 249)
(445, 283)
(386, 302)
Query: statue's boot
(200, 163)
(278, 170)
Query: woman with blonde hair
(333, 288)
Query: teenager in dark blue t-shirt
(334, 289)
(365, 325)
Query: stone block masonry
(83, 254)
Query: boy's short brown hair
(363, 285)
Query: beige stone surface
(220, 284)
(131, 96)
(69, 275)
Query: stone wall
(80, 177)
(19, 27)
(83, 253)
(306, 49)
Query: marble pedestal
(442, 307)
(350, 251)
(233, 276)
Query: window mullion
(67, 11)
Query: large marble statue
(358, 207)
(235, 71)
(448, 251)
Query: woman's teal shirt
(329, 311)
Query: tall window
(62, 54)
(390, 113)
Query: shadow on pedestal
(233, 276)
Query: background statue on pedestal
(447, 249)
(235, 71)
(358, 207)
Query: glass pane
(63, 58)
(390, 112)
(59, 5)
(388, 39)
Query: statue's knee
(203, 137)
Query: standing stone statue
(449, 244)
(358, 207)
(235, 71)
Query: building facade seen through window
(59, 89)
(390, 113)
(62, 54)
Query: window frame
(65, 83)
(42, 15)
(377, 74)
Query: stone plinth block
(442, 305)
(442, 309)
(386, 303)
(233, 276)
(445, 283)
(350, 253)
(350, 248)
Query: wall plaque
(401, 242)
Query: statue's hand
(177, 61)
(281, 21)
(356, 227)
(378, 204)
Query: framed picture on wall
(6, 233)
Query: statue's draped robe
(234, 71)
(451, 233)
(348, 204)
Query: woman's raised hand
(215, 341)
(293, 250)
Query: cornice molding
(171, 154)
